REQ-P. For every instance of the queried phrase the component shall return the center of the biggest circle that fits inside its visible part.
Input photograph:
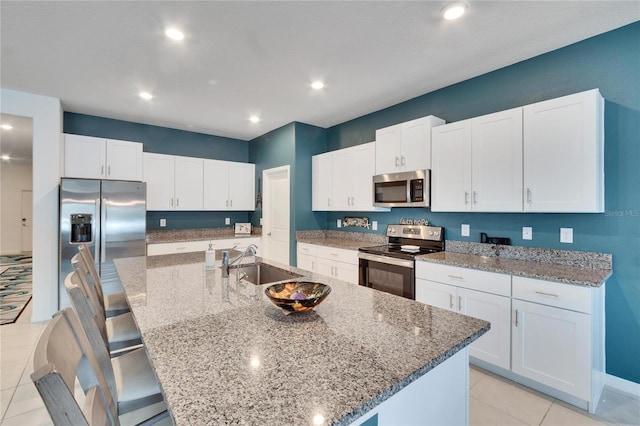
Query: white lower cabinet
(457, 291)
(202, 245)
(333, 262)
(547, 335)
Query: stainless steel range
(390, 267)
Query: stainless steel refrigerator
(108, 215)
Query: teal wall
(610, 62)
(294, 145)
(163, 140)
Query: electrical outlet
(566, 235)
(163, 223)
(464, 230)
(374, 225)
(339, 223)
(227, 221)
(527, 233)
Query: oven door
(388, 274)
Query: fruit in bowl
(297, 296)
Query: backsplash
(560, 257)
(342, 235)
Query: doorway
(276, 214)
(27, 221)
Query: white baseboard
(623, 385)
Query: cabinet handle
(451, 301)
(402, 160)
(329, 202)
(397, 162)
(177, 202)
(460, 303)
(516, 317)
(475, 197)
(313, 265)
(466, 198)
(231, 203)
(455, 277)
(528, 195)
(542, 293)
(181, 248)
(101, 170)
(172, 202)
(109, 171)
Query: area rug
(15, 288)
(14, 259)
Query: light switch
(374, 225)
(163, 223)
(464, 230)
(566, 235)
(339, 223)
(527, 233)
(260, 221)
(227, 221)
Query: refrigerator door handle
(96, 243)
(103, 231)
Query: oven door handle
(387, 260)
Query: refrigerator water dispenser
(81, 228)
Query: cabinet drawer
(565, 296)
(308, 249)
(172, 248)
(488, 282)
(342, 255)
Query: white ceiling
(244, 58)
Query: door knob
(269, 234)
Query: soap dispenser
(209, 257)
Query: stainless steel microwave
(403, 189)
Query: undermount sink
(261, 273)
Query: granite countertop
(182, 235)
(337, 243)
(341, 239)
(568, 274)
(224, 354)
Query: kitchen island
(224, 354)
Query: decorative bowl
(297, 296)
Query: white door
(124, 160)
(276, 222)
(451, 167)
(27, 225)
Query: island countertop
(225, 354)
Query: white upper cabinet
(496, 162)
(342, 179)
(229, 185)
(545, 157)
(451, 167)
(564, 154)
(405, 146)
(173, 183)
(98, 158)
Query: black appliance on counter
(390, 267)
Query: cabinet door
(388, 141)
(495, 345)
(343, 172)
(436, 294)
(416, 145)
(159, 173)
(124, 160)
(563, 154)
(241, 186)
(84, 157)
(552, 346)
(325, 267)
(451, 167)
(363, 165)
(322, 175)
(306, 262)
(345, 272)
(188, 183)
(496, 162)
(216, 185)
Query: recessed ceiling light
(254, 119)
(174, 34)
(317, 85)
(454, 10)
(6, 126)
(146, 95)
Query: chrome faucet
(252, 249)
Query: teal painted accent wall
(610, 62)
(163, 140)
(293, 144)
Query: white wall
(47, 134)
(14, 178)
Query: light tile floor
(494, 400)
